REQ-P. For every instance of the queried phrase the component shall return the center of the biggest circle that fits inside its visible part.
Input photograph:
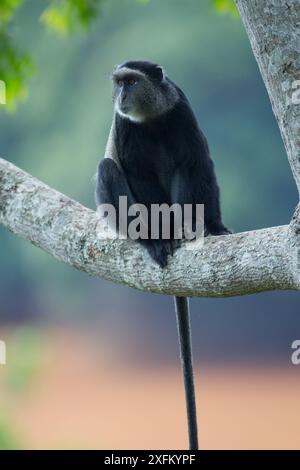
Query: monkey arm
(111, 184)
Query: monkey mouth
(125, 108)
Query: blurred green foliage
(15, 65)
(7, 9)
(8, 438)
(226, 6)
(65, 16)
(61, 16)
(16, 378)
(24, 363)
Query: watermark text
(2, 353)
(295, 358)
(2, 92)
(158, 222)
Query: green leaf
(24, 362)
(226, 7)
(8, 439)
(15, 67)
(7, 9)
(65, 16)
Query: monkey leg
(111, 184)
(187, 189)
(212, 217)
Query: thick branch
(273, 30)
(230, 265)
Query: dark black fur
(153, 71)
(167, 152)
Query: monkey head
(141, 91)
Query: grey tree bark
(238, 264)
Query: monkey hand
(225, 231)
(217, 231)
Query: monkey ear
(158, 73)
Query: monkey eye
(131, 81)
(119, 82)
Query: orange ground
(84, 399)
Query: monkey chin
(132, 116)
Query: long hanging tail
(185, 342)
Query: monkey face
(137, 94)
(127, 97)
(131, 96)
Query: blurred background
(95, 365)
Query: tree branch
(225, 266)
